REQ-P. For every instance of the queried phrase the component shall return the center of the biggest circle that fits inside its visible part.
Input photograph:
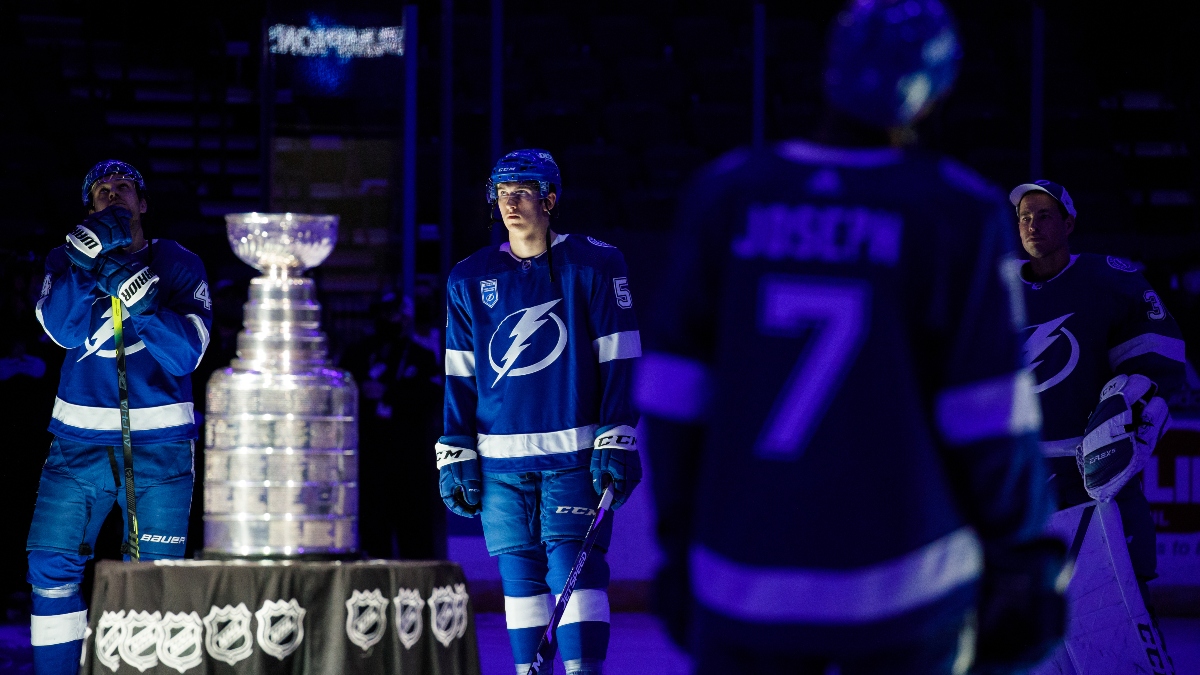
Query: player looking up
(166, 318)
(1096, 329)
(540, 344)
(844, 438)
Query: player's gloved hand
(124, 277)
(100, 233)
(615, 454)
(1022, 612)
(460, 480)
(1120, 434)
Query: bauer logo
(163, 539)
(520, 338)
(488, 293)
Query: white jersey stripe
(57, 629)
(671, 386)
(792, 595)
(623, 345)
(509, 446)
(1147, 343)
(994, 408)
(528, 612)
(460, 363)
(109, 419)
(586, 604)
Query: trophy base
(223, 556)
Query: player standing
(1096, 329)
(540, 342)
(166, 314)
(843, 436)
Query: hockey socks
(59, 619)
(583, 633)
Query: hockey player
(166, 319)
(540, 342)
(843, 436)
(1098, 339)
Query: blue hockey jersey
(835, 371)
(537, 369)
(162, 348)
(1097, 318)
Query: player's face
(1043, 229)
(521, 207)
(110, 191)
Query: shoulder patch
(966, 180)
(597, 242)
(1121, 264)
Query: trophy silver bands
(281, 463)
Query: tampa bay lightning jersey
(840, 327)
(1096, 319)
(162, 348)
(537, 369)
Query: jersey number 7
(835, 313)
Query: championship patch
(489, 293)
(1121, 264)
(597, 242)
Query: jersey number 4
(835, 313)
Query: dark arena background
(630, 98)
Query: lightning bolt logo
(105, 333)
(1042, 337)
(532, 318)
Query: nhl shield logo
(280, 627)
(409, 609)
(139, 648)
(366, 618)
(180, 644)
(110, 632)
(448, 613)
(488, 291)
(227, 635)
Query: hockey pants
(80, 483)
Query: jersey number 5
(836, 314)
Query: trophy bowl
(292, 242)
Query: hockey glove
(1120, 434)
(615, 454)
(1022, 613)
(123, 276)
(460, 481)
(99, 234)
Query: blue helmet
(111, 167)
(889, 59)
(522, 165)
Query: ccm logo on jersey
(163, 539)
(525, 324)
(576, 510)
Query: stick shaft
(126, 436)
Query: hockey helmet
(115, 168)
(526, 165)
(887, 60)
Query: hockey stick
(549, 643)
(126, 439)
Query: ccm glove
(460, 481)
(99, 234)
(1121, 434)
(615, 455)
(123, 276)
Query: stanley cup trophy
(281, 464)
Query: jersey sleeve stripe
(1001, 406)
(1147, 343)
(870, 593)
(1063, 448)
(508, 446)
(109, 419)
(586, 604)
(37, 310)
(202, 333)
(527, 612)
(672, 387)
(57, 628)
(460, 363)
(622, 345)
